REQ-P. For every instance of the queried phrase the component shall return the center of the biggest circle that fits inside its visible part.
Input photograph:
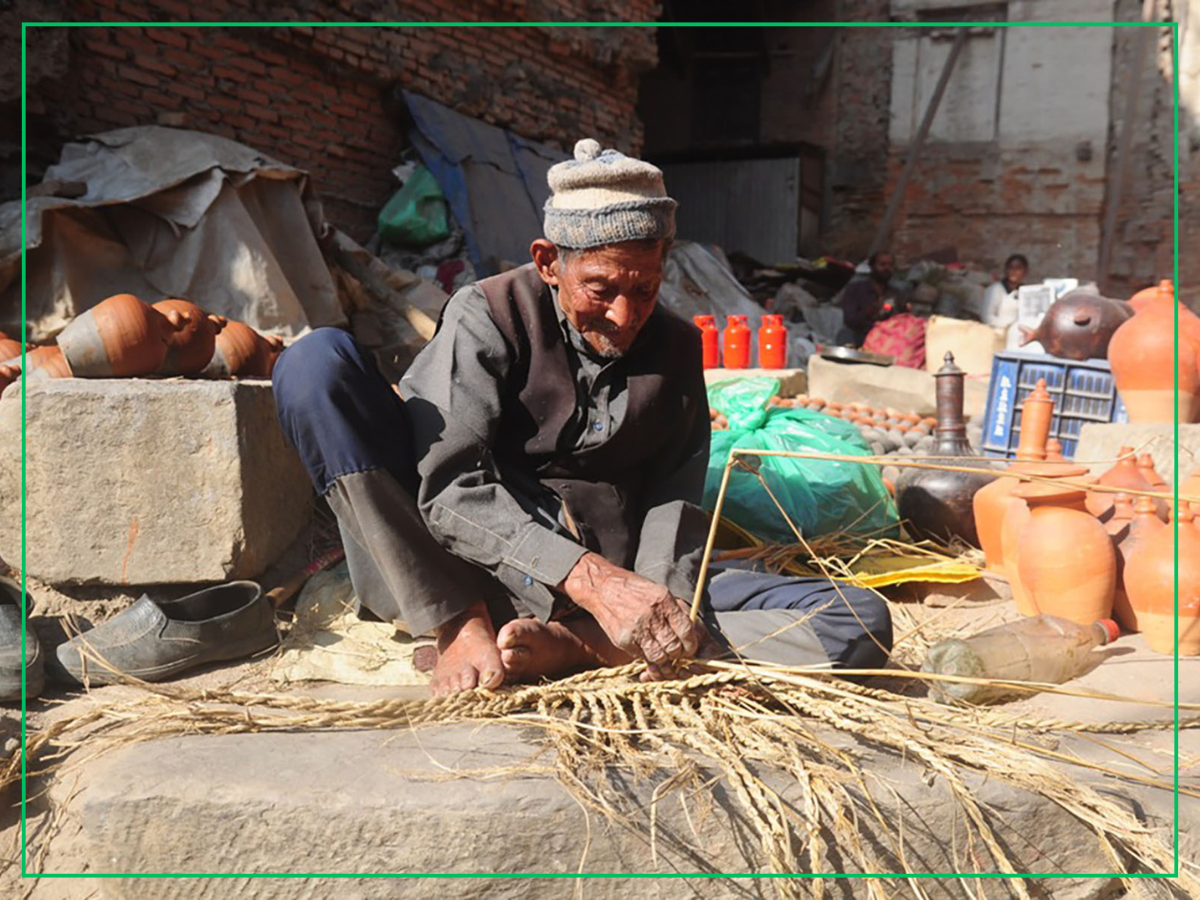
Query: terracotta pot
(1150, 583)
(192, 338)
(1054, 450)
(46, 362)
(1143, 298)
(1066, 558)
(1013, 515)
(1191, 485)
(1141, 354)
(118, 337)
(242, 352)
(991, 500)
(8, 374)
(1124, 474)
(9, 349)
(1144, 523)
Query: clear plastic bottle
(1040, 648)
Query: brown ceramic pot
(46, 362)
(192, 339)
(1126, 475)
(242, 352)
(1144, 523)
(118, 337)
(9, 349)
(1142, 354)
(1080, 324)
(1014, 516)
(1150, 583)
(1066, 558)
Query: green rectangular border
(1173, 25)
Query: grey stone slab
(139, 481)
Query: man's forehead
(616, 261)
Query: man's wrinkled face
(883, 268)
(608, 293)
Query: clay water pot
(1191, 485)
(1142, 353)
(1143, 524)
(1013, 516)
(1150, 584)
(192, 339)
(118, 337)
(9, 349)
(1079, 325)
(1124, 474)
(990, 501)
(8, 374)
(1145, 463)
(1066, 558)
(1054, 450)
(1143, 298)
(46, 362)
(242, 352)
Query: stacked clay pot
(45, 362)
(1066, 559)
(192, 339)
(1150, 584)
(1125, 475)
(1142, 357)
(118, 337)
(1142, 525)
(243, 352)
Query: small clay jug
(1013, 518)
(46, 362)
(1142, 353)
(8, 375)
(991, 500)
(242, 352)
(1066, 557)
(1150, 584)
(118, 337)
(193, 338)
(1144, 523)
(1124, 474)
(938, 504)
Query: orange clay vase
(1150, 583)
(1054, 450)
(9, 350)
(1143, 298)
(243, 353)
(1144, 523)
(1066, 559)
(1124, 474)
(991, 500)
(8, 374)
(118, 337)
(45, 362)
(193, 337)
(1142, 353)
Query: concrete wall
(323, 99)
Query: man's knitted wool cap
(606, 198)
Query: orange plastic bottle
(772, 343)
(711, 340)
(737, 343)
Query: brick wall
(325, 98)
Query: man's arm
(860, 304)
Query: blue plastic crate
(1083, 391)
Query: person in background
(868, 300)
(1000, 299)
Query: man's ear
(545, 259)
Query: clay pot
(1079, 325)
(1142, 353)
(1037, 412)
(192, 339)
(1013, 515)
(1191, 485)
(242, 352)
(118, 337)
(1132, 535)
(1143, 298)
(9, 349)
(1124, 474)
(8, 374)
(1150, 584)
(1054, 450)
(1066, 559)
(1145, 464)
(46, 362)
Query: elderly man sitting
(528, 497)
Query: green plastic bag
(820, 496)
(416, 215)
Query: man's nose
(621, 312)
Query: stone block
(1100, 443)
(137, 481)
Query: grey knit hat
(606, 198)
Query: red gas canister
(772, 343)
(737, 343)
(711, 340)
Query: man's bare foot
(530, 649)
(467, 654)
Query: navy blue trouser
(351, 431)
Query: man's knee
(862, 626)
(311, 366)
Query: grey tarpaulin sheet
(494, 181)
(170, 213)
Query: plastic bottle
(772, 342)
(1040, 648)
(737, 343)
(711, 340)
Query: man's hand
(639, 616)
